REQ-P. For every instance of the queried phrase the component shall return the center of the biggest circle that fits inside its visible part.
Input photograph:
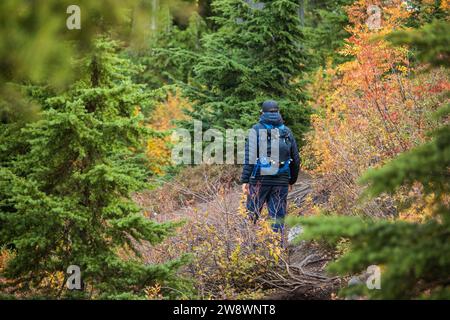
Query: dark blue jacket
(280, 179)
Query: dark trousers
(276, 199)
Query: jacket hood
(272, 118)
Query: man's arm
(294, 166)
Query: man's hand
(290, 188)
(245, 188)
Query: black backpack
(263, 163)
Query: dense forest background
(86, 123)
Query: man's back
(271, 123)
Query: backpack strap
(258, 163)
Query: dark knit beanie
(269, 105)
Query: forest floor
(300, 277)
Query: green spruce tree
(66, 185)
(256, 53)
(170, 52)
(325, 32)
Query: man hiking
(271, 166)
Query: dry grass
(233, 258)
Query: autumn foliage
(368, 110)
(162, 121)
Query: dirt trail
(233, 196)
